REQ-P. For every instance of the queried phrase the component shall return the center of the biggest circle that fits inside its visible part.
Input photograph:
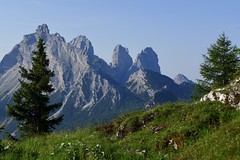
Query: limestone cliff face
(228, 95)
(82, 80)
(90, 90)
(121, 62)
(147, 60)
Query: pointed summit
(83, 44)
(147, 60)
(121, 61)
(121, 57)
(90, 89)
(42, 29)
(180, 78)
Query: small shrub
(107, 129)
(134, 124)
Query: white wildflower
(6, 147)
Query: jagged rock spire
(83, 43)
(42, 29)
(121, 61)
(121, 57)
(147, 60)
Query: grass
(206, 130)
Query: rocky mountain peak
(90, 90)
(121, 61)
(180, 78)
(121, 57)
(147, 60)
(42, 29)
(82, 43)
(120, 48)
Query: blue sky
(179, 31)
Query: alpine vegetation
(220, 63)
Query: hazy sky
(179, 31)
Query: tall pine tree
(220, 63)
(31, 101)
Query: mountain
(144, 79)
(147, 60)
(180, 78)
(121, 62)
(91, 90)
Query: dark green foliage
(220, 63)
(31, 102)
(135, 124)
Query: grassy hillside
(207, 130)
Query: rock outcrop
(229, 95)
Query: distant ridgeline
(91, 90)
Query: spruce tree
(220, 63)
(31, 101)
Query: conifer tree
(31, 101)
(220, 63)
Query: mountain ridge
(90, 89)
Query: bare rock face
(91, 91)
(121, 61)
(82, 81)
(229, 95)
(147, 60)
(42, 29)
(180, 78)
(83, 44)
